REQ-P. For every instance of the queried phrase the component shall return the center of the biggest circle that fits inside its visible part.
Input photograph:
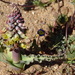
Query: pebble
(27, 41)
(33, 13)
(55, 67)
(36, 21)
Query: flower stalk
(16, 55)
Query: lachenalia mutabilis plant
(11, 39)
(13, 35)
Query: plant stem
(66, 36)
(66, 31)
(62, 2)
(16, 56)
(59, 7)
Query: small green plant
(62, 19)
(71, 49)
(67, 48)
(39, 3)
(73, 2)
(12, 38)
(52, 1)
(62, 42)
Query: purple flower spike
(15, 22)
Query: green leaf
(24, 46)
(62, 19)
(16, 38)
(72, 47)
(39, 3)
(52, 1)
(6, 36)
(71, 56)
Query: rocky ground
(39, 18)
(37, 69)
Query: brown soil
(34, 20)
(36, 69)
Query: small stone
(27, 41)
(25, 12)
(36, 21)
(37, 67)
(45, 67)
(55, 67)
(33, 13)
(58, 73)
